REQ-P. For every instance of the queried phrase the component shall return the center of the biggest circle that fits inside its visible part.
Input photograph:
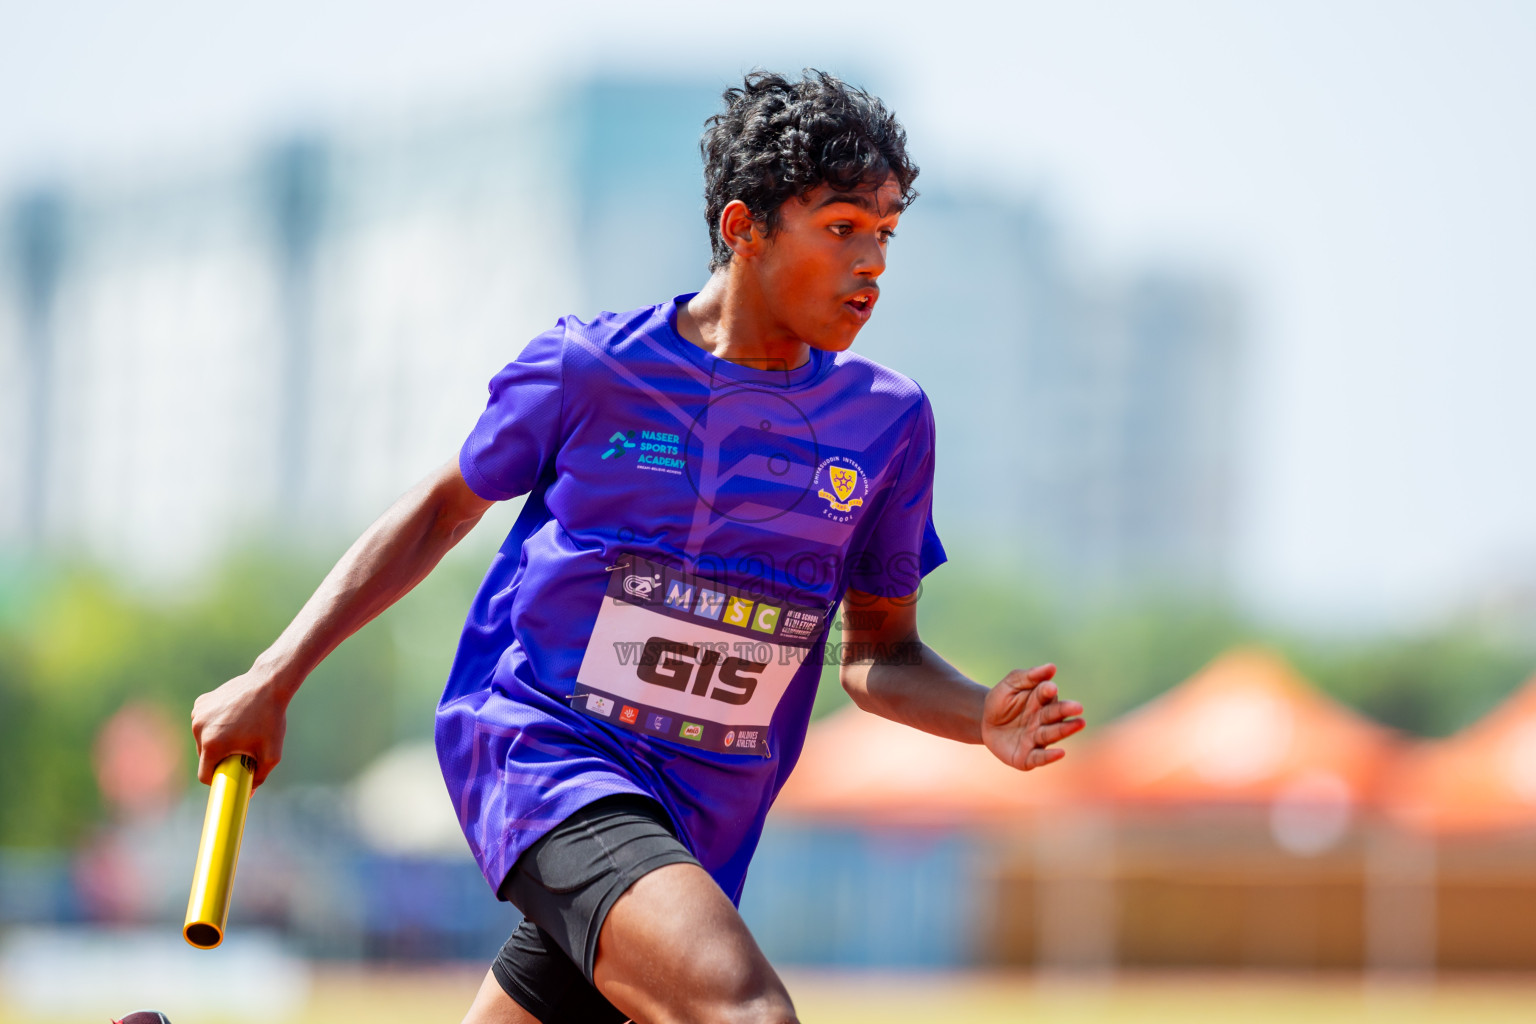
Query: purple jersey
(656, 621)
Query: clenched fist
(244, 716)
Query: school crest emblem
(848, 484)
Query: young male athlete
(708, 480)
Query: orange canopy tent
(859, 767)
(1246, 729)
(1481, 779)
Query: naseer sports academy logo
(849, 487)
(657, 450)
(751, 455)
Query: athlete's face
(819, 272)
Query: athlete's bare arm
(888, 670)
(247, 715)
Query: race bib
(691, 660)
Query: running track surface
(417, 996)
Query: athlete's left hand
(1023, 717)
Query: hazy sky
(1363, 171)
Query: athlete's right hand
(244, 716)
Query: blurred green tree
(86, 644)
(76, 644)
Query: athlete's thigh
(492, 1005)
(674, 949)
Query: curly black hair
(777, 139)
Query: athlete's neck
(730, 320)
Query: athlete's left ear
(740, 230)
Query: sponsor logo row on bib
(741, 612)
(662, 724)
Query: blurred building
(1085, 419)
(281, 344)
(284, 343)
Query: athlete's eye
(842, 229)
(887, 235)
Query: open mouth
(862, 303)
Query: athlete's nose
(870, 261)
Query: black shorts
(565, 884)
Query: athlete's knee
(771, 1011)
(734, 986)
(777, 1014)
(758, 999)
(767, 1008)
(764, 1002)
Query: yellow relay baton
(214, 876)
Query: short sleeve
(519, 432)
(903, 546)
